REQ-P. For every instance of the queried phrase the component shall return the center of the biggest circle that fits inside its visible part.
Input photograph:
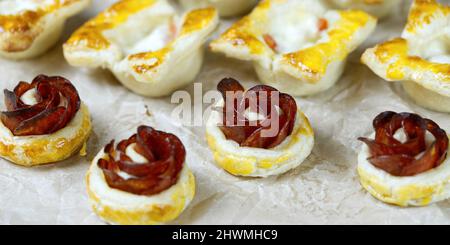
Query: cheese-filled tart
(143, 180)
(145, 44)
(420, 59)
(405, 161)
(44, 122)
(379, 8)
(28, 28)
(298, 47)
(258, 132)
(226, 8)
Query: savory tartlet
(420, 59)
(226, 8)
(44, 122)
(378, 8)
(144, 180)
(145, 44)
(298, 47)
(28, 28)
(405, 161)
(258, 132)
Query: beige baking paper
(323, 190)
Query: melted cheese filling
(135, 157)
(157, 39)
(294, 26)
(438, 50)
(30, 97)
(400, 135)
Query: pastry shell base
(255, 162)
(419, 190)
(118, 207)
(44, 149)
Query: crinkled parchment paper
(323, 190)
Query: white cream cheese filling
(30, 97)
(295, 29)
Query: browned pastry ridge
(58, 102)
(409, 158)
(245, 132)
(164, 152)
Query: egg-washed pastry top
(303, 45)
(401, 145)
(148, 47)
(41, 107)
(147, 163)
(247, 131)
(97, 36)
(422, 54)
(22, 21)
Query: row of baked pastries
(142, 180)
(296, 46)
(29, 27)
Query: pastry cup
(28, 28)
(136, 45)
(226, 8)
(119, 207)
(43, 149)
(307, 62)
(419, 190)
(420, 59)
(256, 162)
(378, 8)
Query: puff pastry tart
(28, 28)
(405, 161)
(296, 46)
(144, 180)
(148, 48)
(379, 8)
(259, 132)
(226, 8)
(44, 122)
(421, 58)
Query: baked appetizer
(258, 133)
(226, 8)
(379, 8)
(420, 60)
(28, 28)
(405, 161)
(296, 46)
(44, 122)
(148, 48)
(144, 180)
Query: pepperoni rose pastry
(44, 122)
(405, 161)
(259, 132)
(142, 180)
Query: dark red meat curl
(409, 158)
(165, 154)
(58, 102)
(249, 133)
